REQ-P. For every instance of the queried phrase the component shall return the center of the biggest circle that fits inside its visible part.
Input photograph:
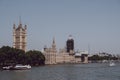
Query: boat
(21, 67)
(111, 64)
(7, 67)
(17, 67)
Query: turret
(14, 26)
(53, 44)
(25, 27)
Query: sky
(93, 23)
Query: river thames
(91, 71)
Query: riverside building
(52, 56)
(19, 36)
(66, 55)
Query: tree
(102, 56)
(13, 56)
(35, 58)
(10, 56)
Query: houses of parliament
(19, 36)
(52, 56)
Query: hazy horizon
(91, 22)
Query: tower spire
(20, 20)
(53, 44)
(53, 40)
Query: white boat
(6, 67)
(112, 64)
(21, 67)
(17, 67)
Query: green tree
(11, 56)
(35, 57)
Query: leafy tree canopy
(12, 56)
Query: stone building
(50, 54)
(19, 36)
(53, 56)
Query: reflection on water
(93, 71)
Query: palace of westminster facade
(52, 56)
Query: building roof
(70, 37)
(20, 27)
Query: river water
(91, 71)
